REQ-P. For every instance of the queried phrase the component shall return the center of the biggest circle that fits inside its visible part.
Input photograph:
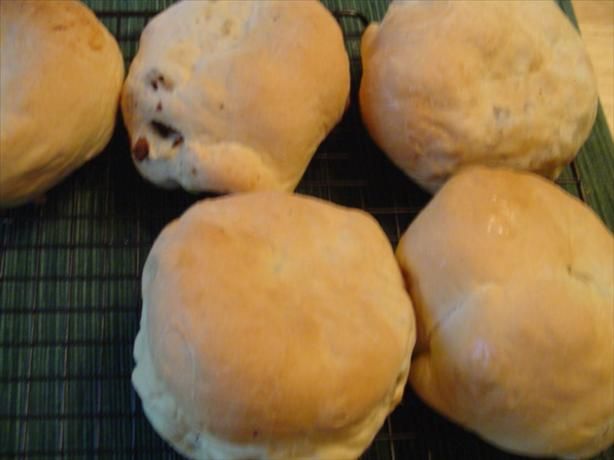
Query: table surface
(596, 20)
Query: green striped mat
(70, 271)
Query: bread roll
(274, 326)
(512, 282)
(453, 83)
(62, 73)
(236, 95)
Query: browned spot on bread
(226, 27)
(96, 40)
(140, 151)
(501, 114)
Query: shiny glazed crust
(512, 281)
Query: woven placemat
(70, 280)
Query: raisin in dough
(234, 96)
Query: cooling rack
(70, 280)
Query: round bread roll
(62, 73)
(268, 332)
(236, 95)
(499, 83)
(512, 282)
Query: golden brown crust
(61, 76)
(448, 84)
(512, 282)
(272, 317)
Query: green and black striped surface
(70, 280)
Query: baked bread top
(62, 73)
(452, 83)
(274, 322)
(512, 280)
